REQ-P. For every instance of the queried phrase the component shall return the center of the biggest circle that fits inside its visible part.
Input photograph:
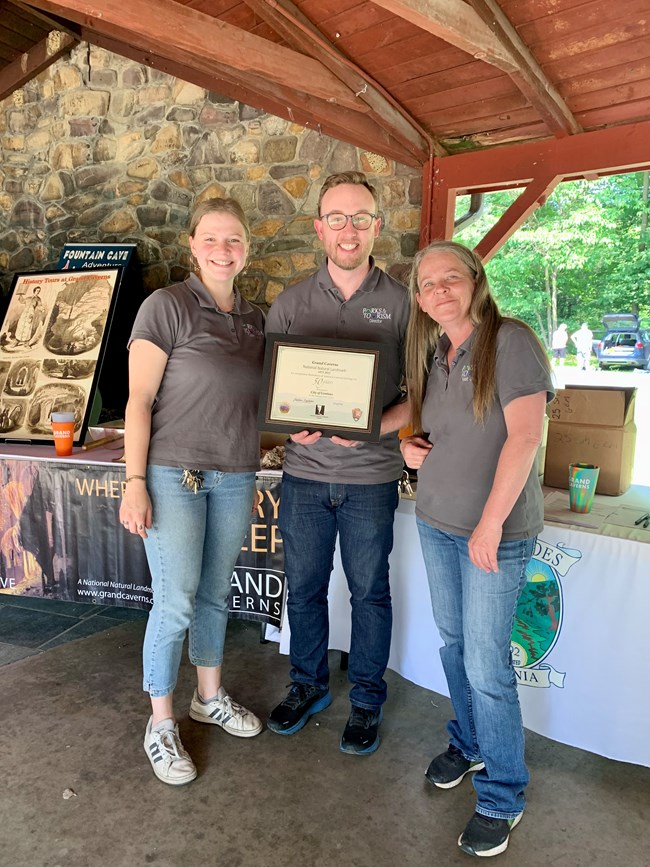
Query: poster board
(52, 343)
(81, 256)
(113, 387)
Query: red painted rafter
(192, 37)
(538, 166)
(38, 58)
(299, 32)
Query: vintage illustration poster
(51, 343)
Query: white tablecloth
(587, 687)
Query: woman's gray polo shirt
(205, 413)
(456, 477)
(378, 311)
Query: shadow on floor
(73, 722)
(30, 625)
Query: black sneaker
(361, 735)
(302, 702)
(448, 769)
(485, 836)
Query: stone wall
(100, 149)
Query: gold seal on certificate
(334, 386)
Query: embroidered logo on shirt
(376, 314)
(251, 330)
(466, 373)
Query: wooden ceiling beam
(533, 197)
(454, 21)
(299, 32)
(529, 77)
(604, 152)
(38, 58)
(480, 28)
(350, 126)
(199, 37)
(537, 166)
(52, 22)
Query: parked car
(625, 342)
(595, 343)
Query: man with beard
(332, 485)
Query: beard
(348, 261)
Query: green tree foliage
(581, 255)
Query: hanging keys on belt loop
(192, 480)
(404, 485)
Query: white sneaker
(169, 760)
(225, 712)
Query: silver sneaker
(169, 760)
(225, 712)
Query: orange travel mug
(63, 432)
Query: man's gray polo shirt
(457, 475)
(378, 311)
(205, 413)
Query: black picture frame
(52, 344)
(325, 384)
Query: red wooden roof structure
(482, 94)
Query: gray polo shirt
(205, 413)
(378, 311)
(457, 475)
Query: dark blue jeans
(311, 514)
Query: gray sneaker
(224, 712)
(169, 760)
(448, 769)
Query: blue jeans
(311, 513)
(191, 550)
(474, 612)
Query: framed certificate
(334, 386)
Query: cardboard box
(603, 407)
(611, 449)
(592, 426)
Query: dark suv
(625, 342)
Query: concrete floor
(74, 716)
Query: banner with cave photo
(52, 343)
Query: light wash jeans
(191, 550)
(474, 612)
(311, 514)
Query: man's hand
(304, 438)
(341, 441)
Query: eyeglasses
(362, 220)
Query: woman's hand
(135, 508)
(414, 451)
(483, 545)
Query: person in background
(558, 344)
(335, 486)
(478, 385)
(192, 449)
(583, 340)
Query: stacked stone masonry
(99, 149)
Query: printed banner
(60, 537)
(258, 585)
